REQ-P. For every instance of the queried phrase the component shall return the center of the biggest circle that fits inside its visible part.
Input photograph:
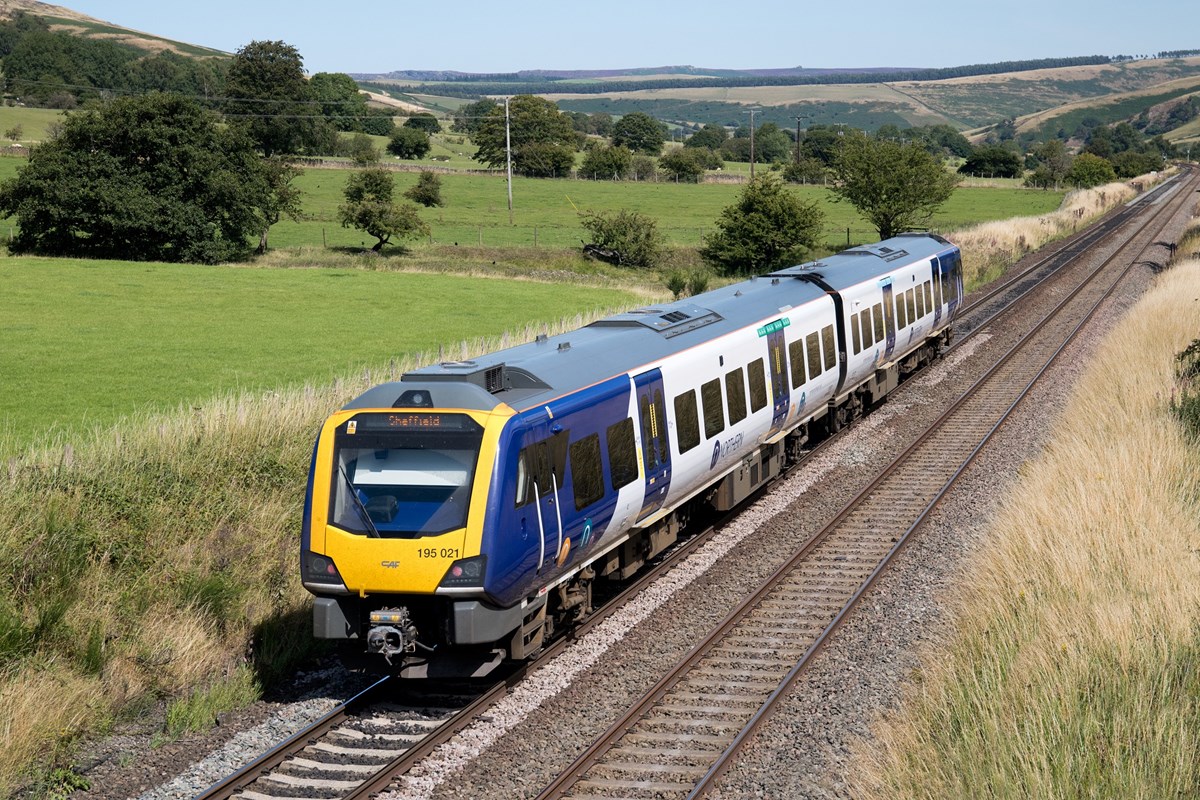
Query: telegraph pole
(508, 157)
(752, 143)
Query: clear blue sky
(497, 36)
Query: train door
(656, 447)
(541, 469)
(779, 379)
(951, 281)
(889, 318)
(935, 280)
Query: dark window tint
(901, 318)
(622, 453)
(687, 422)
(911, 300)
(814, 355)
(796, 355)
(855, 334)
(868, 330)
(587, 472)
(920, 301)
(878, 314)
(828, 345)
(735, 395)
(758, 385)
(714, 412)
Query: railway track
(362, 745)
(685, 731)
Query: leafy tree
(14, 133)
(606, 163)
(992, 161)
(279, 198)
(1089, 169)
(767, 226)
(896, 186)
(806, 170)
(370, 207)
(409, 143)
(341, 103)
(1130, 164)
(634, 237)
(600, 124)
(1052, 155)
(427, 191)
(640, 132)
(150, 177)
(1099, 142)
(468, 118)
(823, 143)
(710, 136)
(424, 121)
(686, 164)
(270, 99)
(772, 144)
(543, 140)
(362, 150)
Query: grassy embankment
(155, 561)
(1072, 668)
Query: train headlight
(320, 573)
(466, 573)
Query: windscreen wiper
(372, 531)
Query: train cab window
(878, 314)
(687, 421)
(758, 384)
(587, 471)
(867, 328)
(796, 356)
(828, 346)
(813, 343)
(920, 301)
(735, 395)
(622, 453)
(911, 300)
(714, 412)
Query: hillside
(64, 19)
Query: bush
(634, 237)
(1185, 399)
(767, 226)
(409, 143)
(686, 164)
(427, 191)
(607, 163)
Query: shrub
(427, 191)
(634, 237)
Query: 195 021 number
(433, 552)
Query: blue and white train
(455, 517)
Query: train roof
(533, 374)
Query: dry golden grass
(1072, 670)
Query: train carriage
(457, 515)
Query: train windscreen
(404, 474)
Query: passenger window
(855, 334)
(758, 384)
(687, 422)
(714, 412)
(901, 320)
(558, 456)
(912, 305)
(796, 355)
(587, 471)
(622, 453)
(735, 395)
(920, 301)
(878, 312)
(867, 330)
(814, 355)
(828, 345)
(928, 297)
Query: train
(459, 516)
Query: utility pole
(752, 143)
(508, 157)
(798, 140)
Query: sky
(376, 36)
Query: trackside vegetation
(1071, 671)
(153, 562)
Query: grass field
(34, 122)
(90, 342)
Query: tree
(806, 170)
(468, 118)
(427, 191)
(635, 237)
(767, 226)
(1089, 169)
(151, 177)
(362, 150)
(279, 198)
(409, 143)
(897, 187)
(341, 103)
(992, 161)
(370, 207)
(543, 140)
(710, 136)
(1053, 156)
(270, 99)
(1130, 164)
(424, 121)
(640, 132)
(686, 164)
(14, 133)
(604, 163)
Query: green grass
(34, 122)
(89, 342)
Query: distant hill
(64, 19)
(655, 73)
